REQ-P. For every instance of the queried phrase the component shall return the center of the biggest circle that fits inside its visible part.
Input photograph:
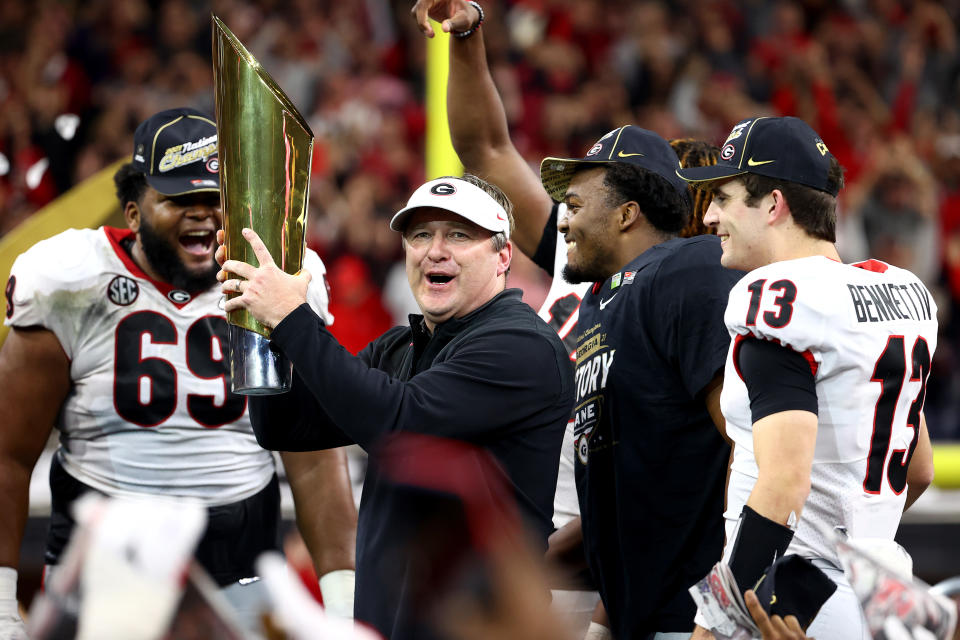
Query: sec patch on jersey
(123, 291)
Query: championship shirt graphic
(594, 360)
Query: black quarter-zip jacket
(498, 377)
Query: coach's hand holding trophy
(265, 153)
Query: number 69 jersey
(150, 408)
(868, 332)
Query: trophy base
(256, 370)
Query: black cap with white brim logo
(626, 145)
(784, 148)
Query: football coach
(478, 365)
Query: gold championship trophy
(265, 149)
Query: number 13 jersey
(868, 332)
(150, 408)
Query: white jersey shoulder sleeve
(561, 307)
(318, 294)
(43, 278)
(785, 302)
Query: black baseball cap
(176, 150)
(628, 144)
(784, 148)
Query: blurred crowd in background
(878, 79)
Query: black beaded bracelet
(469, 32)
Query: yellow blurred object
(946, 465)
(86, 206)
(442, 160)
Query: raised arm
(293, 421)
(34, 381)
(478, 123)
(367, 403)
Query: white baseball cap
(459, 197)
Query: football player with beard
(118, 338)
(550, 230)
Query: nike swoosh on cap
(754, 163)
(628, 155)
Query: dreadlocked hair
(696, 153)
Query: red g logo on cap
(213, 165)
(443, 189)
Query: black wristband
(469, 32)
(794, 587)
(760, 541)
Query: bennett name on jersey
(891, 301)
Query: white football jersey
(869, 331)
(561, 307)
(561, 310)
(150, 409)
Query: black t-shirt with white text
(650, 464)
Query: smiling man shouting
(477, 366)
(118, 339)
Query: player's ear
(778, 211)
(627, 214)
(131, 213)
(504, 258)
